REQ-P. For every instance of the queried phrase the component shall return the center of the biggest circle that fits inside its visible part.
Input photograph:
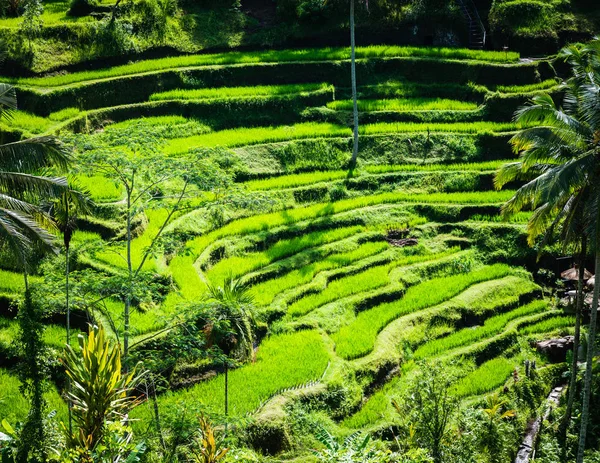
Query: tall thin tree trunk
(587, 388)
(226, 394)
(578, 314)
(70, 404)
(129, 284)
(157, 415)
(353, 74)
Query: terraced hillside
(358, 275)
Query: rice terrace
(299, 231)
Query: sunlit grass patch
(247, 57)
(242, 136)
(265, 292)
(282, 361)
(237, 92)
(372, 278)
(14, 406)
(100, 188)
(485, 378)
(550, 325)
(545, 85)
(290, 216)
(405, 104)
(491, 327)
(431, 167)
(64, 114)
(239, 265)
(358, 338)
(309, 178)
(30, 122)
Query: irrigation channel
(527, 447)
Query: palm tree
(562, 156)
(65, 211)
(23, 223)
(73, 203)
(235, 311)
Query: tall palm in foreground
(23, 223)
(562, 157)
(235, 311)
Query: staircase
(477, 32)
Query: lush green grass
(433, 167)
(486, 378)
(437, 127)
(291, 181)
(29, 122)
(11, 282)
(237, 92)
(282, 361)
(358, 338)
(54, 335)
(309, 178)
(55, 12)
(519, 217)
(14, 406)
(548, 326)
(325, 54)
(116, 255)
(545, 85)
(165, 127)
(256, 135)
(64, 114)
(290, 216)
(240, 265)
(491, 327)
(242, 136)
(367, 280)
(405, 104)
(100, 188)
(265, 292)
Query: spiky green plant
(100, 392)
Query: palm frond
(8, 101)
(34, 154)
(22, 185)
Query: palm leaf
(34, 154)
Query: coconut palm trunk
(576, 341)
(353, 77)
(587, 387)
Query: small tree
(31, 24)
(132, 158)
(430, 407)
(494, 435)
(234, 320)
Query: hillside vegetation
(361, 278)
